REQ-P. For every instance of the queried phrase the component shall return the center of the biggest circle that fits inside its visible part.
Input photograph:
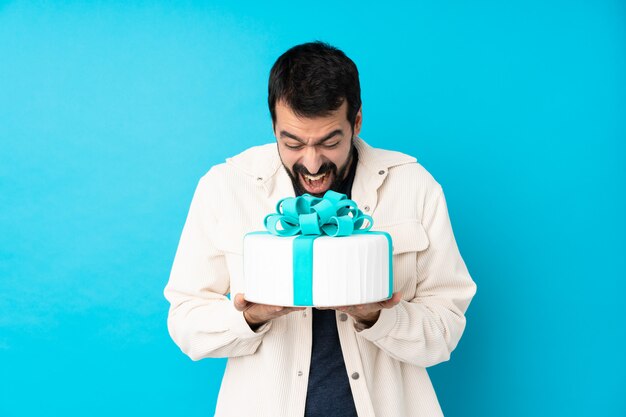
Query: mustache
(324, 168)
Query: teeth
(313, 177)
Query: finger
(267, 309)
(394, 300)
(272, 312)
(357, 308)
(288, 310)
(336, 308)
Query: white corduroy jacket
(267, 370)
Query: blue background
(110, 113)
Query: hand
(258, 314)
(368, 314)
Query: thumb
(239, 302)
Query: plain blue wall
(109, 115)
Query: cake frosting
(346, 270)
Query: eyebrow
(285, 134)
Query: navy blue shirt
(328, 392)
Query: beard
(339, 175)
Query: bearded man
(365, 360)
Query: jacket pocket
(410, 240)
(407, 236)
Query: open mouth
(316, 184)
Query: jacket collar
(375, 159)
(263, 165)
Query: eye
(293, 147)
(331, 145)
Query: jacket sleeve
(202, 320)
(426, 326)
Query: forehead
(287, 120)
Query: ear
(358, 121)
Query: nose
(312, 159)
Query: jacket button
(355, 375)
(259, 179)
(343, 317)
(299, 373)
(366, 208)
(381, 172)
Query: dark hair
(314, 79)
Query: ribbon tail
(303, 270)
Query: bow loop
(332, 215)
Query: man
(366, 360)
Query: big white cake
(333, 271)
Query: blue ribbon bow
(333, 215)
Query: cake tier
(342, 271)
